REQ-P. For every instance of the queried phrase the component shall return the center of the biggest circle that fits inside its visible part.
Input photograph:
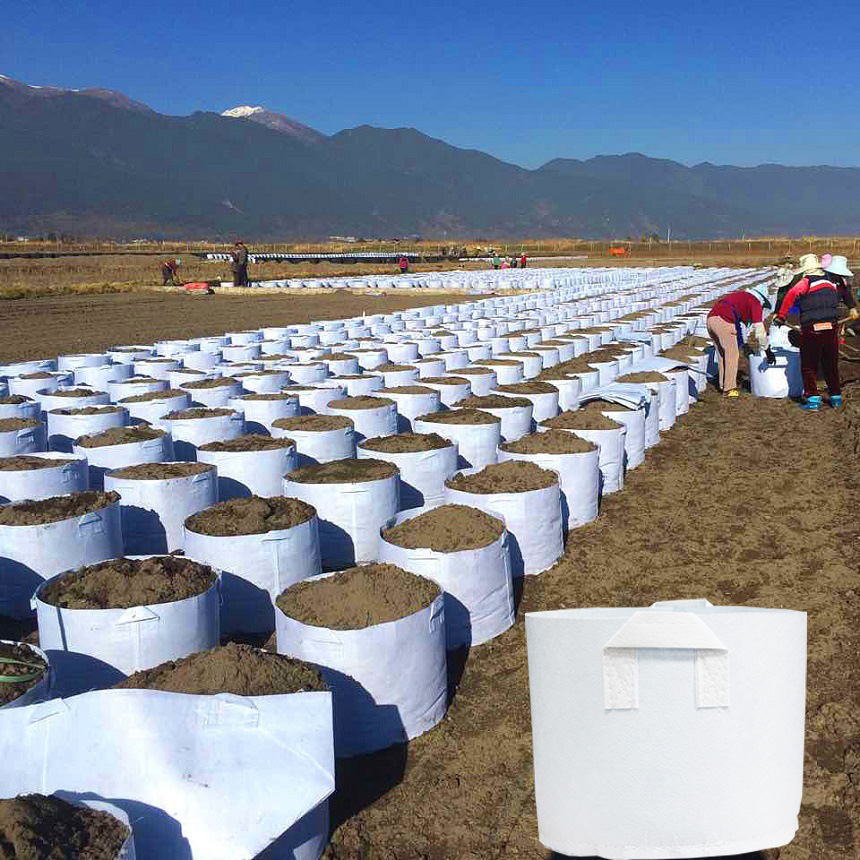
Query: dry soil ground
(744, 502)
(46, 327)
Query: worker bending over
(816, 296)
(169, 272)
(725, 321)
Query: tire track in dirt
(748, 502)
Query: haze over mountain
(89, 162)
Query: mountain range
(94, 162)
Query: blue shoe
(836, 401)
(811, 404)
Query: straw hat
(761, 295)
(839, 266)
(810, 265)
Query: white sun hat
(810, 265)
(761, 294)
(839, 266)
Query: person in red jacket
(739, 308)
(523, 261)
(817, 296)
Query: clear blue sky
(731, 83)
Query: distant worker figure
(504, 265)
(169, 273)
(741, 307)
(239, 264)
(403, 262)
(523, 260)
(513, 262)
(497, 261)
(817, 297)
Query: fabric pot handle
(659, 629)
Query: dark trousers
(240, 276)
(820, 348)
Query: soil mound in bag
(344, 472)
(582, 419)
(122, 583)
(271, 396)
(251, 442)
(643, 376)
(250, 515)
(404, 389)
(669, 731)
(20, 662)
(166, 394)
(363, 401)
(534, 386)
(392, 368)
(358, 597)
(241, 670)
(448, 528)
(119, 436)
(550, 442)
(160, 471)
(197, 412)
(54, 509)
(87, 410)
(404, 443)
(26, 463)
(75, 392)
(514, 476)
(493, 401)
(213, 382)
(565, 368)
(10, 425)
(462, 416)
(313, 423)
(36, 827)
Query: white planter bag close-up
(634, 398)
(190, 433)
(673, 731)
(153, 411)
(104, 458)
(63, 430)
(26, 440)
(153, 510)
(320, 446)
(782, 379)
(388, 681)
(532, 518)
(477, 584)
(369, 423)
(261, 414)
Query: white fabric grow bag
(450, 395)
(187, 762)
(308, 374)
(369, 423)
(388, 681)
(781, 380)
(261, 414)
(532, 364)
(532, 518)
(320, 446)
(477, 444)
(53, 400)
(91, 648)
(350, 516)
(314, 400)
(506, 374)
(99, 377)
(669, 732)
(189, 433)
(569, 391)
(63, 430)
(107, 457)
(430, 367)
(157, 368)
(31, 554)
(633, 397)
(68, 474)
(153, 510)
(248, 473)
(213, 398)
(121, 388)
(255, 569)
(393, 378)
(610, 445)
(411, 405)
(478, 584)
(359, 385)
(422, 473)
(27, 440)
(544, 404)
(153, 411)
(578, 478)
(516, 420)
(29, 409)
(265, 383)
(482, 383)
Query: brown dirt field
(46, 327)
(465, 790)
